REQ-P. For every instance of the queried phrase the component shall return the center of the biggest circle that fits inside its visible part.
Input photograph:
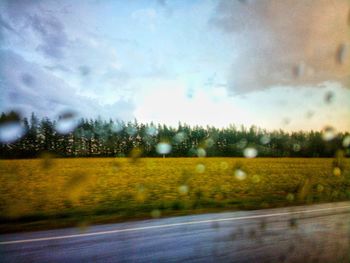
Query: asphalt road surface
(317, 233)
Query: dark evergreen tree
(115, 138)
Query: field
(58, 192)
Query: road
(316, 233)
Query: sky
(274, 64)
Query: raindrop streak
(250, 152)
(66, 123)
(341, 54)
(163, 148)
(240, 175)
(328, 133)
(11, 131)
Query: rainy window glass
(169, 130)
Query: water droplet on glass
(83, 226)
(116, 166)
(141, 194)
(285, 121)
(256, 178)
(329, 97)
(183, 189)
(116, 127)
(209, 142)
(46, 160)
(342, 53)
(200, 168)
(346, 141)
(246, 2)
(135, 153)
(309, 114)
(265, 139)
(66, 123)
(155, 213)
(250, 152)
(299, 70)
(180, 137)
(131, 130)
(11, 131)
(296, 147)
(201, 152)
(76, 185)
(151, 130)
(163, 148)
(240, 175)
(328, 133)
(320, 188)
(11, 128)
(293, 223)
(242, 143)
(290, 197)
(336, 171)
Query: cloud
(285, 42)
(64, 45)
(4, 25)
(45, 24)
(52, 34)
(29, 88)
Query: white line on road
(170, 225)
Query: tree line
(69, 137)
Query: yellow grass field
(91, 188)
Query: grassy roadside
(52, 193)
